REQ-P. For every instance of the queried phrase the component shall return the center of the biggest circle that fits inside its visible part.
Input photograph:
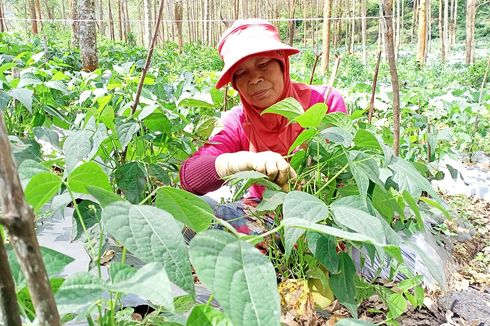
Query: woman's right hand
(269, 163)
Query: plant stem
(332, 179)
(263, 235)
(80, 219)
(228, 226)
(149, 196)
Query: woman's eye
(264, 64)
(239, 73)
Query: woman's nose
(256, 77)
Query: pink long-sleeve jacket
(198, 173)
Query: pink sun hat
(245, 38)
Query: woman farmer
(256, 63)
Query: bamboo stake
(373, 89)
(18, 218)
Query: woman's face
(260, 81)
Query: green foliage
(74, 134)
(242, 279)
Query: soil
(467, 299)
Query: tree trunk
(111, 21)
(441, 32)
(399, 9)
(178, 23)
(353, 27)
(470, 30)
(48, 9)
(415, 16)
(101, 17)
(88, 36)
(327, 10)
(119, 13)
(429, 27)
(147, 27)
(18, 218)
(291, 23)
(455, 22)
(390, 54)
(382, 32)
(338, 14)
(422, 34)
(3, 27)
(364, 30)
(142, 24)
(75, 26)
(63, 11)
(32, 11)
(446, 27)
(9, 308)
(38, 13)
(205, 24)
(127, 29)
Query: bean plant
(78, 144)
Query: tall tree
(442, 39)
(178, 23)
(327, 10)
(422, 34)
(148, 17)
(454, 21)
(88, 35)
(353, 26)
(415, 16)
(75, 26)
(119, 16)
(127, 23)
(33, 17)
(291, 22)
(111, 21)
(364, 30)
(470, 30)
(445, 35)
(48, 9)
(3, 25)
(37, 5)
(101, 17)
(390, 55)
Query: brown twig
(373, 89)
(148, 58)
(9, 309)
(18, 218)
(317, 57)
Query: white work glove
(269, 163)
